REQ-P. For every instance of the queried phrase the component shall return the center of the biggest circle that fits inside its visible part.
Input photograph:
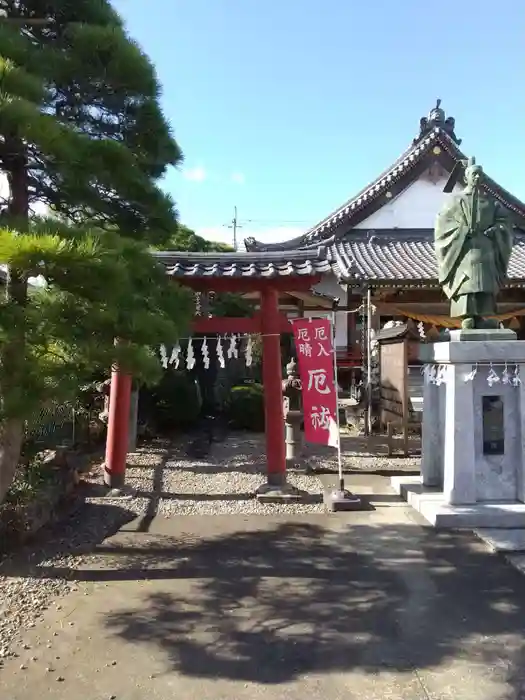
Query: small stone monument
(473, 464)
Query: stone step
(503, 539)
(430, 504)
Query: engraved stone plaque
(493, 425)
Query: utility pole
(235, 225)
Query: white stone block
(459, 478)
(462, 351)
(459, 455)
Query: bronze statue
(473, 243)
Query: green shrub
(246, 407)
(173, 404)
(29, 480)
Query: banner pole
(369, 359)
(336, 386)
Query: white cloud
(197, 174)
(238, 178)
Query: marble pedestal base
(473, 429)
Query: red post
(118, 428)
(273, 399)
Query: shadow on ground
(282, 600)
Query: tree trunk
(12, 353)
(12, 359)
(11, 441)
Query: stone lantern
(293, 414)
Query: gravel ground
(164, 480)
(361, 454)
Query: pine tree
(81, 131)
(184, 238)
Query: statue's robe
(473, 243)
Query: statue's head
(473, 174)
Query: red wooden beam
(249, 284)
(351, 358)
(229, 324)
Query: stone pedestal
(473, 430)
(293, 438)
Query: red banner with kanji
(313, 344)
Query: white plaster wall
(415, 207)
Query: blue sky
(286, 108)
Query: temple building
(374, 255)
(380, 246)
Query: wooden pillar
(273, 400)
(118, 429)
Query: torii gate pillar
(272, 379)
(118, 429)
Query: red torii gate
(268, 274)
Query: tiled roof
(298, 263)
(402, 169)
(406, 162)
(386, 256)
(401, 256)
(402, 166)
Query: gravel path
(165, 481)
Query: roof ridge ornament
(437, 119)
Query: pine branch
(81, 129)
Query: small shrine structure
(268, 275)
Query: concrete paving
(367, 605)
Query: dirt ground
(358, 605)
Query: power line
(235, 225)
(278, 221)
